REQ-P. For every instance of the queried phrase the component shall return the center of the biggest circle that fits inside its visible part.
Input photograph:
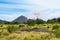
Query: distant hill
(3, 21)
(20, 19)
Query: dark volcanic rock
(35, 30)
(39, 30)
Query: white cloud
(47, 8)
(46, 3)
(9, 17)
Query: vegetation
(7, 32)
(11, 30)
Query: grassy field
(7, 32)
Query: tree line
(36, 21)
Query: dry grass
(28, 35)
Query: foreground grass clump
(12, 28)
(28, 36)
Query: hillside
(3, 21)
(20, 19)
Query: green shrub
(56, 27)
(57, 33)
(31, 22)
(11, 28)
(21, 25)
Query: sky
(43, 9)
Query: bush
(56, 27)
(11, 28)
(31, 22)
(21, 25)
(5, 32)
(57, 33)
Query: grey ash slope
(20, 19)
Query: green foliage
(31, 22)
(0, 33)
(14, 22)
(11, 28)
(40, 21)
(56, 27)
(54, 20)
(7, 23)
(9, 34)
(21, 25)
(58, 20)
(57, 33)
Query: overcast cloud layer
(44, 9)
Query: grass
(5, 35)
(28, 36)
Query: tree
(39, 21)
(55, 27)
(15, 22)
(54, 20)
(31, 22)
(58, 20)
